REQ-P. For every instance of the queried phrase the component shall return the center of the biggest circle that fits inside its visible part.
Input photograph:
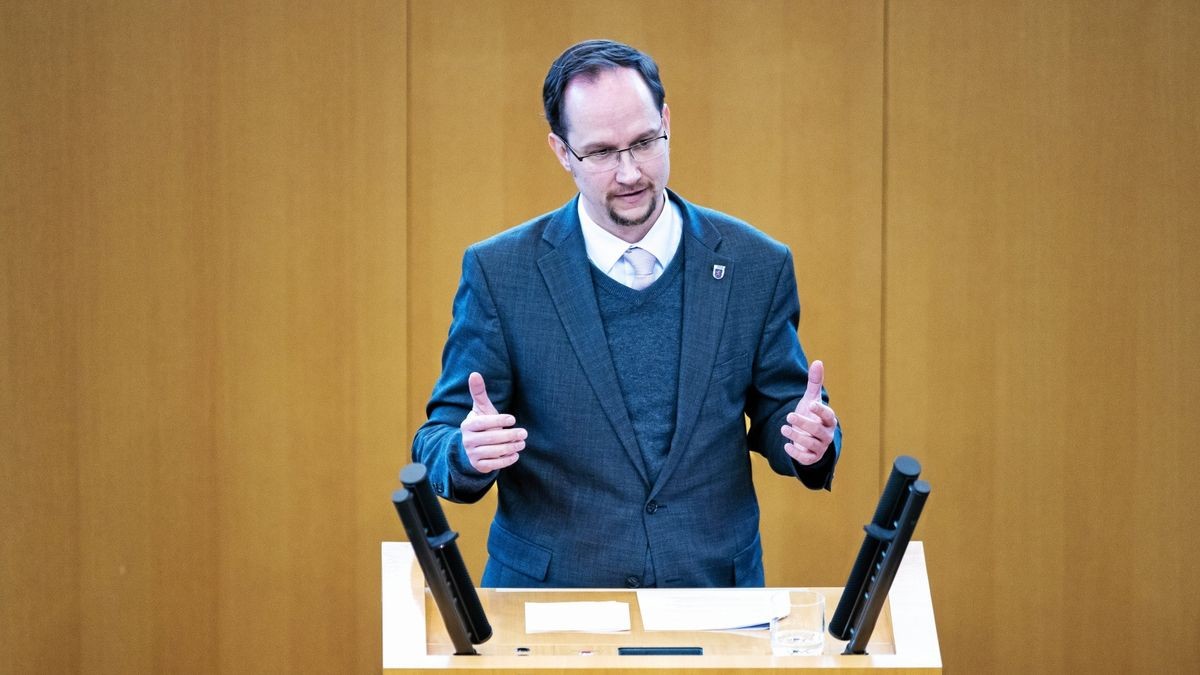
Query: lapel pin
(718, 272)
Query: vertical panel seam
(883, 256)
(408, 215)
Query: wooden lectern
(415, 638)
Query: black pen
(660, 651)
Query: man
(603, 357)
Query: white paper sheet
(403, 619)
(710, 609)
(578, 617)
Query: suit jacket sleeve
(780, 378)
(475, 343)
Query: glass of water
(802, 630)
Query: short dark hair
(588, 59)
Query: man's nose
(628, 170)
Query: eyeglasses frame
(616, 153)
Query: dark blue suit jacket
(578, 509)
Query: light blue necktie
(642, 262)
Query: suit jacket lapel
(568, 275)
(707, 280)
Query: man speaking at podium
(602, 359)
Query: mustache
(631, 190)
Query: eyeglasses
(607, 160)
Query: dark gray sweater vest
(643, 329)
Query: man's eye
(603, 154)
(644, 144)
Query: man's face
(611, 112)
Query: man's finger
(804, 424)
(824, 412)
(495, 437)
(802, 454)
(477, 422)
(816, 378)
(494, 450)
(490, 465)
(479, 399)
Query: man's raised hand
(489, 441)
(809, 429)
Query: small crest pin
(718, 272)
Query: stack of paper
(710, 609)
(585, 617)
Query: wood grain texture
(1041, 324)
(203, 213)
(230, 234)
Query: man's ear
(666, 115)
(560, 151)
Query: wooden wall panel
(1041, 324)
(39, 511)
(203, 322)
(223, 295)
(776, 118)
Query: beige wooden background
(230, 233)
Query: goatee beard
(636, 221)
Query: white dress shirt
(605, 249)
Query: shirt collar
(605, 249)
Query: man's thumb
(816, 379)
(480, 402)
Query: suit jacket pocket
(747, 565)
(517, 553)
(727, 366)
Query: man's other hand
(810, 426)
(490, 442)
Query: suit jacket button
(632, 582)
(652, 507)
